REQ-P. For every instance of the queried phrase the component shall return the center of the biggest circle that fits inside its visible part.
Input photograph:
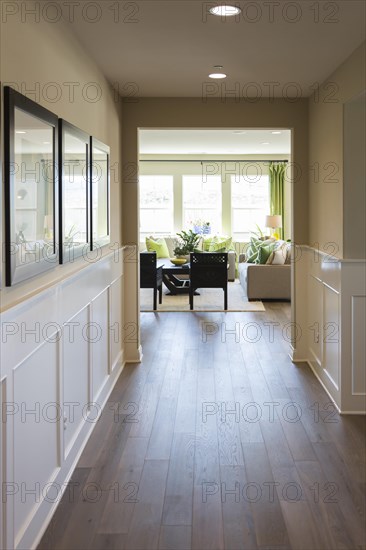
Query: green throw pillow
(157, 245)
(254, 248)
(217, 244)
(252, 256)
(253, 251)
(265, 250)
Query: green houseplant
(188, 242)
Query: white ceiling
(166, 48)
(214, 142)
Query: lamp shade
(274, 222)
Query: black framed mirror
(100, 193)
(74, 192)
(31, 190)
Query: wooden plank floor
(217, 441)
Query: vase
(186, 257)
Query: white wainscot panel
(116, 322)
(331, 270)
(37, 416)
(3, 477)
(75, 377)
(331, 335)
(315, 320)
(358, 345)
(99, 342)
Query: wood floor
(217, 441)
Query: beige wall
(326, 208)
(354, 188)
(194, 113)
(34, 55)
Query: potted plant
(188, 242)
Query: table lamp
(273, 222)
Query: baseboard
(339, 410)
(294, 356)
(324, 387)
(363, 413)
(138, 358)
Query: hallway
(217, 441)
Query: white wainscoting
(336, 327)
(61, 354)
(358, 345)
(353, 353)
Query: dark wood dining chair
(151, 276)
(208, 270)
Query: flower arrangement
(201, 227)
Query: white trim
(349, 261)
(31, 297)
(324, 387)
(353, 345)
(330, 287)
(331, 379)
(353, 412)
(137, 360)
(315, 358)
(292, 355)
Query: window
(156, 206)
(249, 205)
(202, 200)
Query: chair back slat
(147, 269)
(209, 270)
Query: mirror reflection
(100, 194)
(33, 190)
(75, 191)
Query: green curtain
(277, 191)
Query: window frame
(246, 237)
(219, 210)
(170, 209)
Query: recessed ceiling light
(265, 143)
(240, 132)
(217, 75)
(276, 132)
(20, 132)
(225, 10)
(46, 143)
